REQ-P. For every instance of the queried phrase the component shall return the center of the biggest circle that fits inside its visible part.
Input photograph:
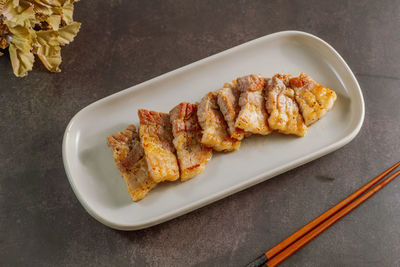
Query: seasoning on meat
(215, 129)
(129, 156)
(284, 114)
(228, 102)
(314, 99)
(252, 116)
(192, 155)
(156, 137)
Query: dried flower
(41, 27)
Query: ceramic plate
(100, 188)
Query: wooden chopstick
(326, 224)
(269, 255)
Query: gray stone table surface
(123, 43)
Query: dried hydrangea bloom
(37, 28)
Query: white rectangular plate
(100, 188)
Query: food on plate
(284, 114)
(129, 156)
(215, 129)
(252, 116)
(228, 102)
(156, 138)
(314, 99)
(180, 144)
(192, 155)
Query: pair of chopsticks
(296, 241)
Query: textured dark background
(123, 43)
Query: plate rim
(233, 189)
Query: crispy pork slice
(284, 114)
(129, 156)
(156, 138)
(252, 116)
(192, 155)
(228, 102)
(314, 99)
(215, 129)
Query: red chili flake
(194, 166)
(297, 82)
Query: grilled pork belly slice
(192, 155)
(228, 102)
(252, 116)
(314, 99)
(156, 138)
(284, 114)
(215, 129)
(129, 156)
